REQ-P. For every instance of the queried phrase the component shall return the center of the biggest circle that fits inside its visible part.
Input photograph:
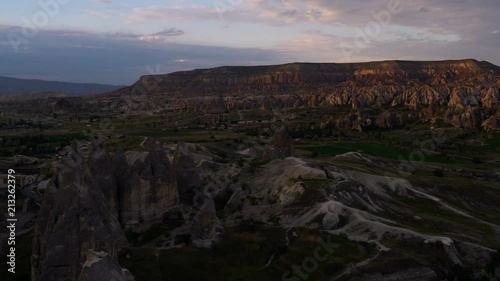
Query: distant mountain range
(459, 93)
(10, 85)
(294, 78)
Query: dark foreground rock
(186, 174)
(146, 186)
(74, 218)
(102, 266)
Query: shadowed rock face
(85, 203)
(205, 223)
(388, 120)
(186, 174)
(468, 117)
(74, 218)
(100, 164)
(63, 106)
(146, 185)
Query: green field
(244, 253)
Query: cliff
(305, 76)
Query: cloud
(99, 14)
(101, 1)
(169, 32)
(157, 36)
(150, 38)
(270, 12)
(122, 35)
(417, 14)
(170, 14)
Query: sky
(115, 42)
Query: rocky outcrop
(463, 97)
(490, 97)
(390, 120)
(146, 185)
(422, 96)
(491, 124)
(186, 174)
(102, 266)
(281, 180)
(100, 164)
(88, 202)
(74, 218)
(205, 224)
(468, 118)
(281, 145)
(63, 106)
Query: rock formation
(186, 174)
(205, 223)
(491, 124)
(85, 203)
(389, 120)
(74, 218)
(281, 145)
(63, 106)
(468, 118)
(389, 85)
(291, 77)
(102, 266)
(100, 164)
(146, 185)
